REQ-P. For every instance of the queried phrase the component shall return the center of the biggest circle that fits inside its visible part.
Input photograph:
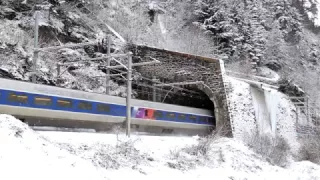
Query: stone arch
(208, 70)
(207, 90)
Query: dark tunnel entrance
(189, 96)
(199, 101)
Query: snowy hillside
(25, 154)
(252, 37)
(280, 35)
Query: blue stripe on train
(115, 110)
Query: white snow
(317, 20)
(270, 74)
(25, 154)
(315, 17)
(283, 117)
(242, 109)
(161, 24)
(261, 110)
(227, 159)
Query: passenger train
(40, 104)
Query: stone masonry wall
(179, 67)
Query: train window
(85, 105)
(203, 119)
(182, 117)
(64, 103)
(171, 115)
(18, 98)
(103, 108)
(193, 118)
(146, 113)
(158, 114)
(42, 101)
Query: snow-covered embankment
(25, 154)
(263, 111)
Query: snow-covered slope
(166, 158)
(261, 111)
(241, 108)
(25, 154)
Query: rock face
(290, 89)
(274, 65)
(56, 26)
(60, 24)
(7, 13)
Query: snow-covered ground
(315, 17)
(26, 154)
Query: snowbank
(226, 159)
(25, 154)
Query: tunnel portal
(182, 67)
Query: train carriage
(38, 104)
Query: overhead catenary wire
(198, 96)
(115, 68)
(128, 67)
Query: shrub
(274, 149)
(124, 154)
(190, 156)
(203, 146)
(310, 148)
